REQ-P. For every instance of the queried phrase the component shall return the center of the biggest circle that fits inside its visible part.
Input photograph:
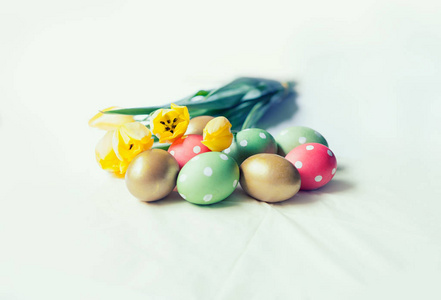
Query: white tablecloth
(367, 76)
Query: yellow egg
(197, 124)
(152, 175)
(269, 177)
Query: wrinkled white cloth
(367, 78)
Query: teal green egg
(208, 178)
(292, 137)
(249, 142)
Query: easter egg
(187, 147)
(269, 177)
(249, 142)
(316, 164)
(208, 178)
(197, 125)
(151, 175)
(295, 136)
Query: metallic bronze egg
(269, 177)
(197, 124)
(152, 175)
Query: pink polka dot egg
(316, 164)
(187, 147)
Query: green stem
(249, 121)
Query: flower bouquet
(205, 144)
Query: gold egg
(197, 124)
(152, 175)
(269, 177)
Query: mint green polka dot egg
(208, 178)
(249, 142)
(292, 137)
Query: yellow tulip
(109, 121)
(118, 147)
(217, 134)
(170, 124)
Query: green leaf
(133, 111)
(243, 101)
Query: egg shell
(249, 142)
(292, 137)
(151, 175)
(208, 178)
(269, 177)
(316, 164)
(187, 147)
(197, 124)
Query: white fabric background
(368, 78)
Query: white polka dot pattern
(223, 157)
(208, 171)
(318, 166)
(262, 135)
(196, 149)
(244, 143)
(208, 180)
(235, 183)
(208, 197)
(182, 177)
(183, 196)
(172, 153)
(227, 150)
(302, 140)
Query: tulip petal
(104, 146)
(170, 124)
(217, 134)
(109, 121)
(105, 155)
(136, 130)
(117, 140)
(131, 139)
